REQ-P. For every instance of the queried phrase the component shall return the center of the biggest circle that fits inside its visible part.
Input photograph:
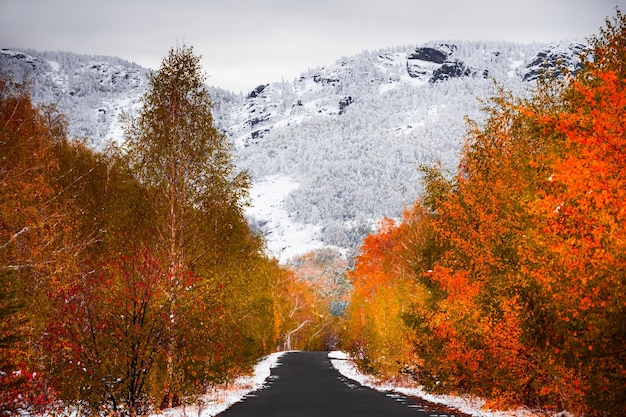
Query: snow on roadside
(223, 397)
(473, 406)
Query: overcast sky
(245, 43)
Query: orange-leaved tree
(383, 293)
(32, 230)
(520, 270)
(578, 257)
(470, 338)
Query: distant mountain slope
(90, 90)
(354, 134)
(348, 138)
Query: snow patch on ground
(54, 65)
(515, 64)
(59, 79)
(223, 397)
(285, 238)
(131, 105)
(474, 406)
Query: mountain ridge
(347, 138)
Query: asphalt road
(305, 384)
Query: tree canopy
(131, 279)
(506, 280)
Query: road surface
(305, 384)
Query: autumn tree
(576, 257)
(96, 346)
(44, 240)
(179, 154)
(31, 240)
(131, 279)
(323, 271)
(107, 337)
(196, 195)
(107, 343)
(383, 293)
(470, 336)
(517, 259)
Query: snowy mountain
(92, 91)
(332, 151)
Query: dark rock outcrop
(256, 120)
(420, 62)
(257, 134)
(343, 103)
(257, 91)
(452, 69)
(19, 56)
(429, 54)
(323, 80)
(554, 62)
(417, 71)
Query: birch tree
(185, 162)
